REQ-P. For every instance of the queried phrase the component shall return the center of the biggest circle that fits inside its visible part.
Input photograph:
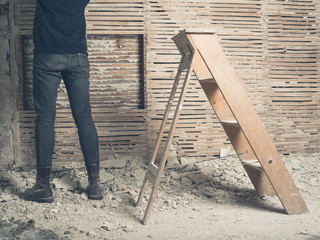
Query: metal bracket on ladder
(202, 54)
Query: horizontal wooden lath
(103, 17)
(121, 133)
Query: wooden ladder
(203, 55)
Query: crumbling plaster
(6, 96)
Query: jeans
(48, 70)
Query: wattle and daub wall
(273, 46)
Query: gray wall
(6, 99)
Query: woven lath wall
(273, 46)
(293, 75)
(117, 94)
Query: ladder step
(253, 163)
(207, 80)
(152, 173)
(230, 122)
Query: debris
(138, 174)
(314, 181)
(108, 226)
(172, 158)
(209, 194)
(187, 160)
(295, 164)
(224, 152)
(115, 217)
(197, 177)
(127, 228)
(116, 163)
(105, 176)
(5, 197)
(138, 162)
(174, 204)
(186, 181)
(91, 234)
(175, 175)
(113, 187)
(65, 182)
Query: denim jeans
(48, 70)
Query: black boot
(94, 190)
(41, 191)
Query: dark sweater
(60, 26)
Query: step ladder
(203, 56)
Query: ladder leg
(142, 191)
(160, 135)
(169, 140)
(150, 202)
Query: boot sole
(95, 197)
(41, 200)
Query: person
(60, 52)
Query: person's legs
(46, 79)
(76, 79)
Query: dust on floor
(202, 200)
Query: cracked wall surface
(6, 101)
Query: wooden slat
(103, 17)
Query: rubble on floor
(221, 181)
